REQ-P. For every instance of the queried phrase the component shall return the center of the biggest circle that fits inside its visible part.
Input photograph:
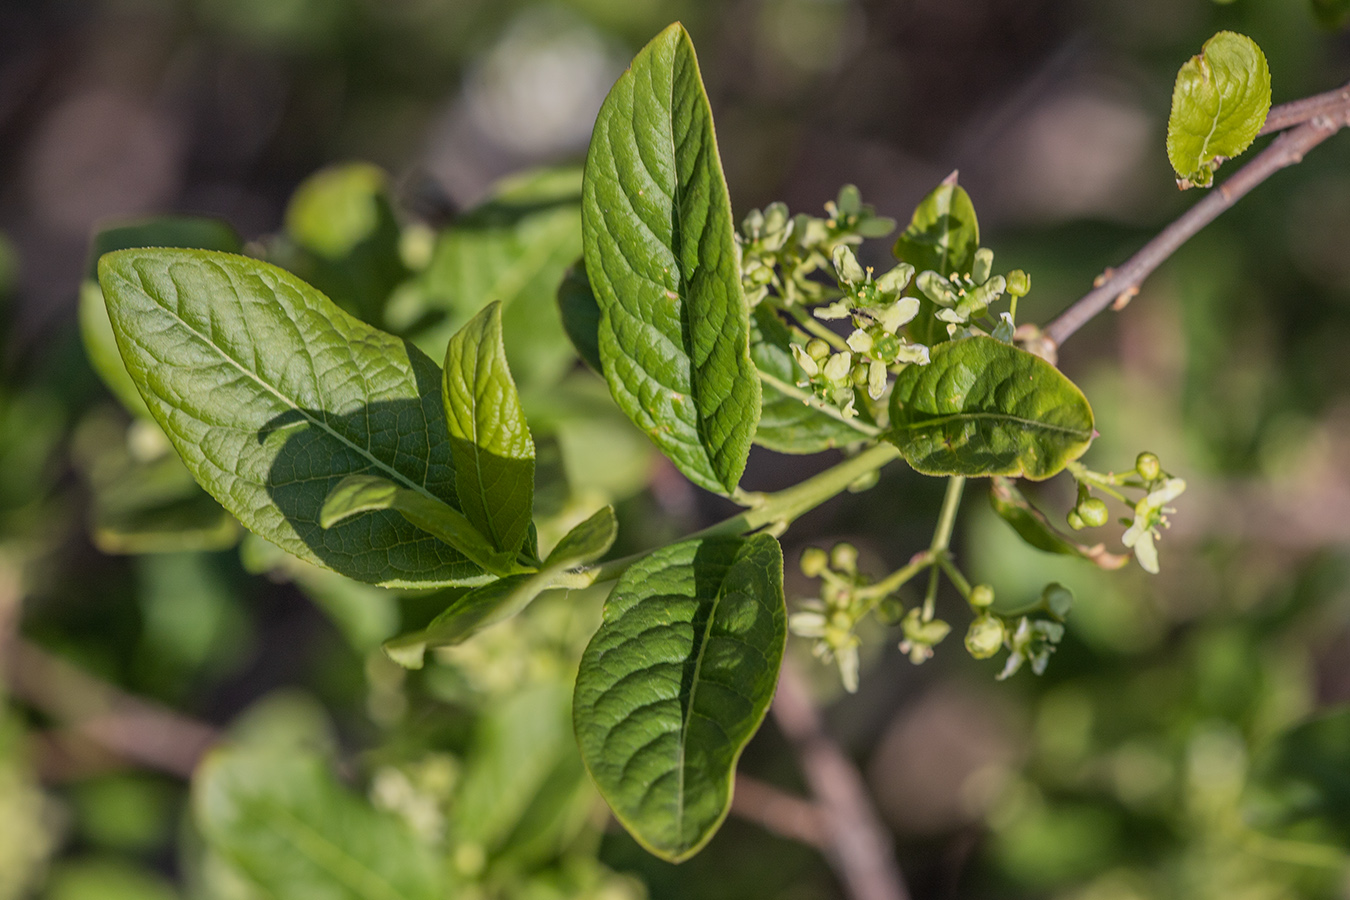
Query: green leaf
(285, 823)
(344, 238)
(581, 315)
(786, 424)
(1033, 527)
(105, 879)
(272, 395)
(983, 407)
(677, 680)
(489, 437)
(357, 494)
(1300, 783)
(1219, 103)
(1332, 14)
(514, 249)
(100, 345)
(662, 259)
(486, 606)
(942, 236)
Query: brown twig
(860, 847)
(1321, 119)
(137, 730)
(1296, 112)
(779, 812)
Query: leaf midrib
(689, 712)
(1030, 423)
(398, 476)
(330, 857)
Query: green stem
(942, 535)
(816, 403)
(776, 511)
(953, 573)
(810, 324)
(873, 593)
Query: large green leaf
(1033, 527)
(502, 599)
(676, 681)
(272, 395)
(786, 424)
(514, 248)
(662, 259)
(983, 407)
(1219, 103)
(942, 236)
(489, 437)
(283, 821)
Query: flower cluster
(964, 298)
(1150, 512)
(922, 635)
(780, 253)
(831, 618)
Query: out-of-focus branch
(860, 848)
(1323, 118)
(779, 812)
(134, 729)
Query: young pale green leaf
(514, 248)
(677, 680)
(983, 407)
(486, 606)
(489, 437)
(368, 493)
(285, 823)
(272, 395)
(581, 315)
(1033, 527)
(1219, 103)
(786, 423)
(942, 236)
(662, 258)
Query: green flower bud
(753, 225)
(1057, 600)
(814, 562)
(776, 218)
(984, 638)
(860, 374)
(817, 349)
(1075, 520)
(1019, 283)
(1093, 512)
(981, 595)
(839, 366)
(983, 265)
(844, 558)
(1148, 466)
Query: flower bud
(1019, 283)
(981, 595)
(1075, 520)
(1148, 466)
(839, 366)
(984, 638)
(850, 200)
(1057, 600)
(844, 558)
(814, 561)
(817, 349)
(846, 265)
(1093, 512)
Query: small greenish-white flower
(846, 265)
(937, 288)
(838, 366)
(985, 636)
(809, 623)
(916, 354)
(983, 265)
(1033, 641)
(1149, 514)
(805, 360)
(921, 637)
(899, 314)
(1003, 331)
(894, 281)
(839, 309)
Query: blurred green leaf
(662, 259)
(227, 351)
(942, 236)
(983, 407)
(581, 315)
(1333, 14)
(26, 837)
(110, 879)
(786, 424)
(345, 238)
(1300, 782)
(1033, 527)
(284, 822)
(126, 812)
(677, 680)
(1219, 104)
(489, 437)
(513, 249)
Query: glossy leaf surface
(662, 260)
(1219, 103)
(283, 821)
(677, 680)
(983, 407)
(272, 395)
(942, 236)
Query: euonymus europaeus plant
(327, 430)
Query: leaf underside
(661, 257)
(1219, 103)
(982, 407)
(272, 395)
(676, 681)
(1035, 529)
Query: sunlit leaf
(662, 259)
(983, 407)
(677, 680)
(942, 236)
(1219, 103)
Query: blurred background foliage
(1190, 738)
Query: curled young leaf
(982, 407)
(1033, 527)
(1219, 103)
